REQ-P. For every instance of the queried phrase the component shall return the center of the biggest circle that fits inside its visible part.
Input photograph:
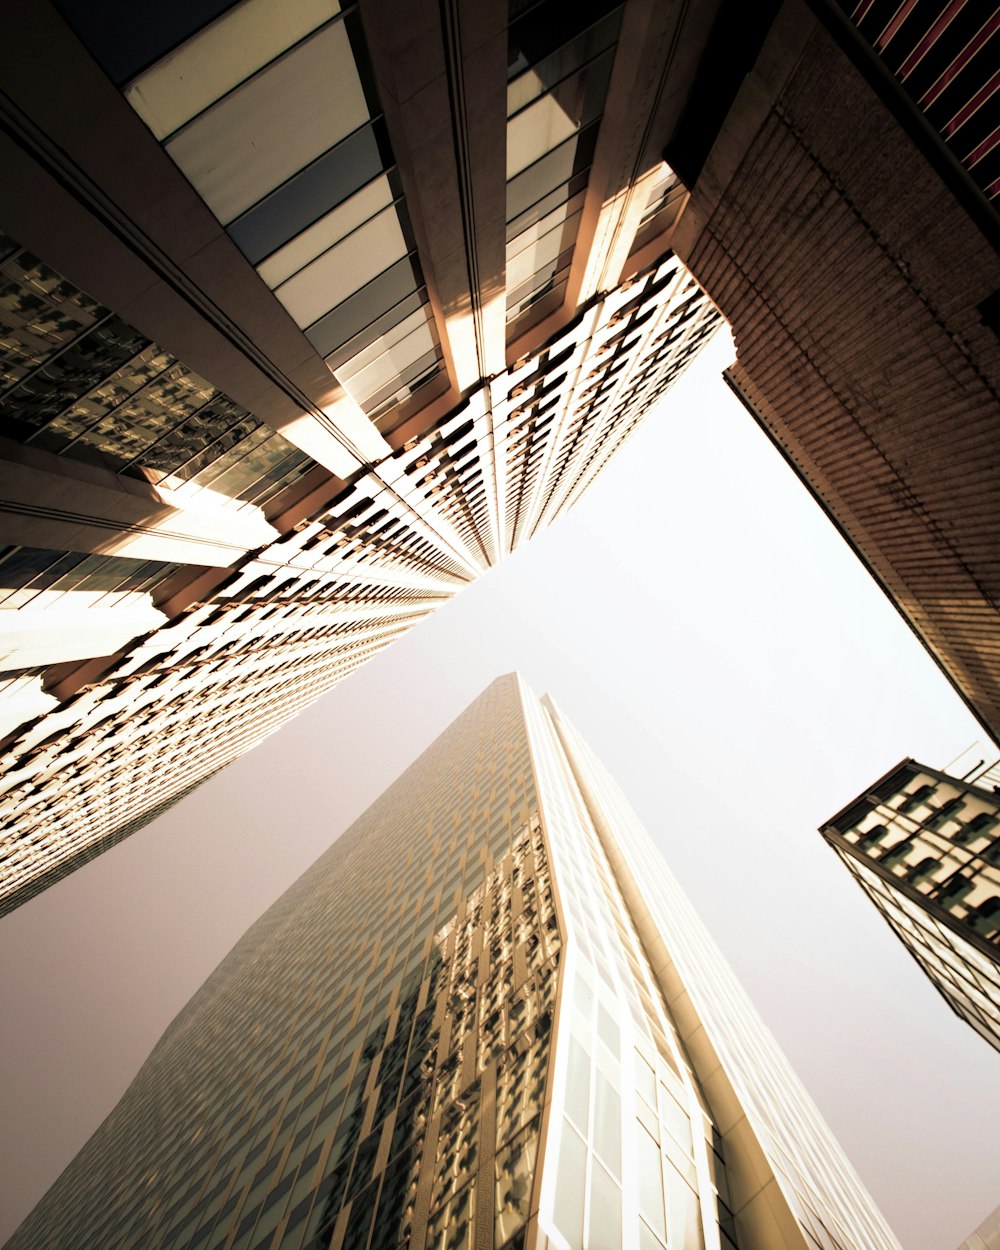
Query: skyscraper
(271, 258)
(925, 848)
(986, 1236)
(486, 1016)
(844, 170)
(310, 315)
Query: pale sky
(729, 659)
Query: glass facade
(558, 70)
(925, 847)
(637, 1159)
(448, 1034)
(275, 121)
(666, 198)
(728, 1048)
(78, 381)
(33, 577)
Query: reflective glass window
(604, 1226)
(650, 1182)
(570, 1180)
(558, 71)
(351, 264)
(89, 387)
(219, 57)
(271, 126)
(314, 191)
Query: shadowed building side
(843, 217)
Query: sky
(731, 661)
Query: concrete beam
(67, 630)
(441, 72)
(59, 504)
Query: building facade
(925, 848)
(264, 261)
(844, 175)
(986, 1236)
(487, 1016)
(290, 355)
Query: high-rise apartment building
(925, 848)
(487, 1016)
(310, 313)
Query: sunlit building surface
(986, 1236)
(487, 1016)
(309, 314)
(925, 848)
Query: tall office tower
(843, 158)
(310, 314)
(487, 1016)
(925, 848)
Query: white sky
(729, 659)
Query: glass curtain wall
(637, 1159)
(559, 66)
(80, 382)
(272, 114)
(35, 577)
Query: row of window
(82, 383)
(558, 75)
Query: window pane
(326, 232)
(685, 1216)
(362, 308)
(607, 1030)
(273, 125)
(335, 275)
(379, 327)
(570, 1178)
(561, 63)
(547, 204)
(578, 1084)
(676, 1119)
(388, 357)
(645, 1080)
(409, 379)
(219, 57)
(562, 111)
(607, 1123)
(514, 1169)
(604, 1230)
(538, 229)
(327, 182)
(551, 171)
(651, 1183)
(546, 27)
(125, 37)
(646, 1239)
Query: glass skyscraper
(486, 1017)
